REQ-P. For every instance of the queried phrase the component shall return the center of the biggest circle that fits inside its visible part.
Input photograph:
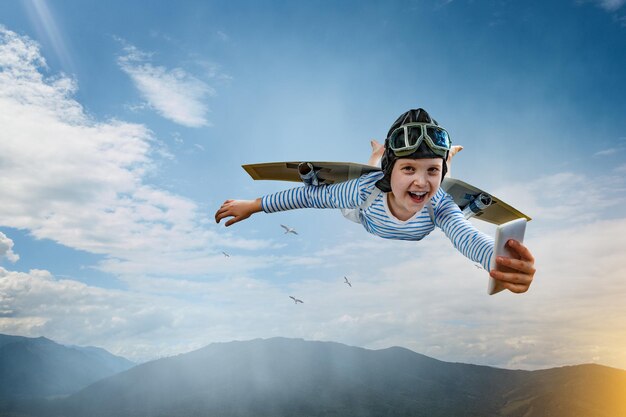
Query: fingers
(454, 150)
(516, 275)
(223, 211)
(515, 288)
(232, 221)
(521, 250)
(220, 213)
(513, 279)
(512, 264)
(237, 209)
(221, 216)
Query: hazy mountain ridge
(580, 390)
(292, 377)
(39, 367)
(239, 377)
(288, 377)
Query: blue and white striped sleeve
(348, 194)
(468, 240)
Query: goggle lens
(439, 137)
(396, 140)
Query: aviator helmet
(413, 135)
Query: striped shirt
(378, 220)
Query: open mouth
(418, 197)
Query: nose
(419, 179)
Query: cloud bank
(430, 300)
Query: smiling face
(413, 183)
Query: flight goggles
(407, 138)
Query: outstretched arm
(465, 237)
(348, 194)
(518, 272)
(237, 209)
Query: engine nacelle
(308, 174)
(477, 205)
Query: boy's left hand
(515, 274)
(453, 151)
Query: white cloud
(443, 3)
(568, 197)
(80, 182)
(174, 93)
(140, 325)
(124, 322)
(606, 152)
(610, 5)
(6, 249)
(222, 36)
(619, 147)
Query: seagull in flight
(295, 300)
(225, 254)
(346, 281)
(289, 229)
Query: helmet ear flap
(384, 160)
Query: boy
(404, 201)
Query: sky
(125, 125)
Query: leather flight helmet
(423, 151)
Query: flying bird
(346, 281)
(289, 229)
(225, 254)
(295, 300)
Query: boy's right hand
(378, 150)
(237, 209)
(453, 151)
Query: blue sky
(125, 125)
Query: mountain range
(292, 377)
(40, 368)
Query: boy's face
(413, 183)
